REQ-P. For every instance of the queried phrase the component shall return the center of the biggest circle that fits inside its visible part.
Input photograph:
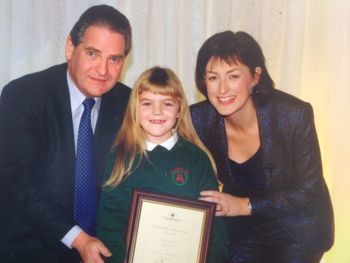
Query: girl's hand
(226, 204)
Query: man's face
(96, 63)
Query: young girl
(156, 142)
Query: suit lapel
(216, 142)
(109, 121)
(64, 115)
(267, 132)
(64, 136)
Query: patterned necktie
(85, 196)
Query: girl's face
(158, 115)
(229, 86)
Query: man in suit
(39, 119)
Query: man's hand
(90, 248)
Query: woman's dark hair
(102, 15)
(232, 48)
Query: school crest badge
(179, 175)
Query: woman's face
(229, 87)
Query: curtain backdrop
(306, 44)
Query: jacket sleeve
(112, 216)
(219, 243)
(306, 188)
(21, 152)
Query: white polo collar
(168, 144)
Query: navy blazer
(37, 158)
(295, 195)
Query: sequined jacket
(295, 196)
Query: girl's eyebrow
(209, 71)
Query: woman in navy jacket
(265, 146)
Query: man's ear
(69, 48)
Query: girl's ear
(177, 120)
(257, 75)
(179, 111)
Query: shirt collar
(76, 97)
(168, 144)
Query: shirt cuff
(71, 235)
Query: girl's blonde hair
(131, 140)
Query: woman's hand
(226, 204)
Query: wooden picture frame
(168, 228)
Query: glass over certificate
(164, 228)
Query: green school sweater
(159, 174)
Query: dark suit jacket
(295, 196)
(37, 158)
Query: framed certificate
(164, 228)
